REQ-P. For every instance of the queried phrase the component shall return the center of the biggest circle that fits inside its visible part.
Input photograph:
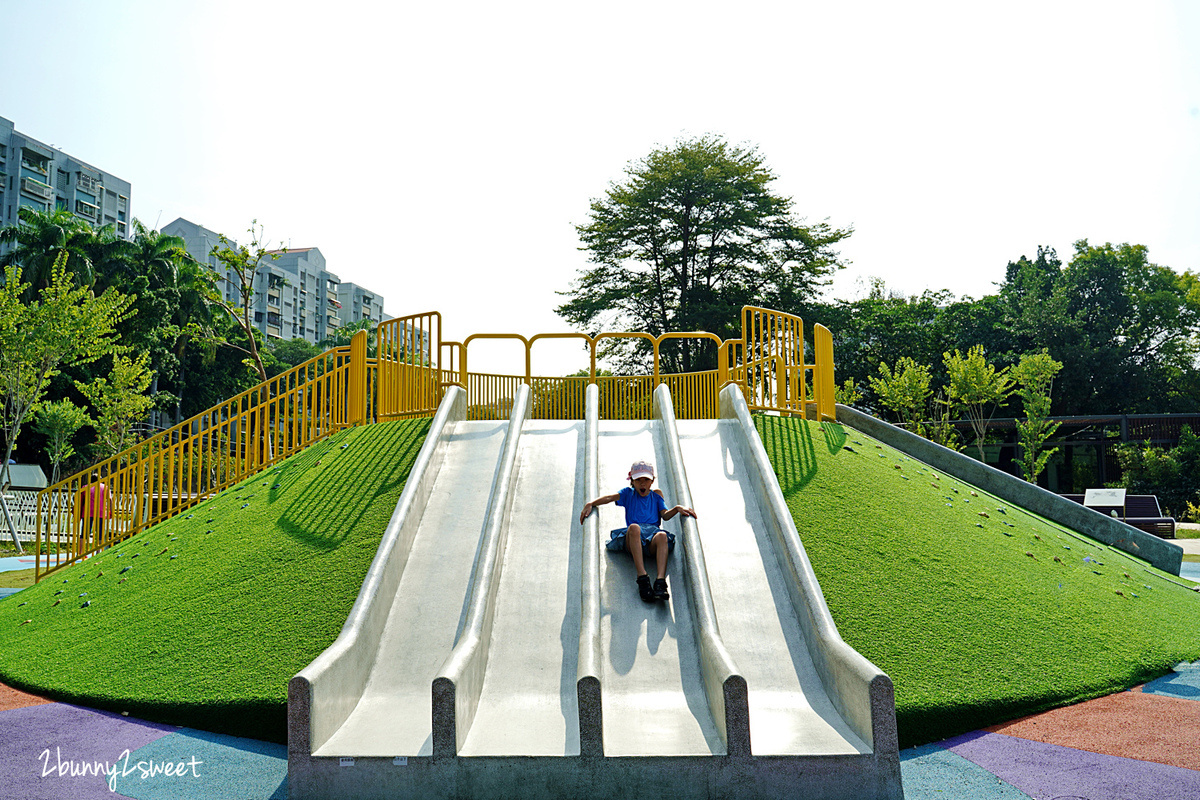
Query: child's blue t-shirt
(642, 510)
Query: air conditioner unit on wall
(37, 189)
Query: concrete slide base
(654, 778)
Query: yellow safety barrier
(179, 467)
(408, 350)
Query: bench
(1140, 511)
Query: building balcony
(86, 183)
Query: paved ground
(55, 751)
(1143, 743)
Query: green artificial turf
(203, 619)
(977, 619)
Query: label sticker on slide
(345, 762)
(400, 761)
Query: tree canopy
(66, 324)
(692, 234)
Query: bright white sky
(441, 153)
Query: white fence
(23, 508)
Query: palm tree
(174, 294)
(39, 237)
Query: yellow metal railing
(768, 362)
(407, 351)
(181, 466)
(178, 468)
(772, 370)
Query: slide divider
(323, 694)
(861, 692)
(459, 684)
(723, 682)
(587, 683)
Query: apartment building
(40, 176)
(357, 303)
(295, 295)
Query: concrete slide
(497, 650)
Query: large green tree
(693, 233)
(1125, 329)
(172, 291)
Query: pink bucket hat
(641, 469)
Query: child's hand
(587, 509)
(687, 512)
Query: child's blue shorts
(617, 542)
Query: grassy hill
(203, 619)
(979, 611)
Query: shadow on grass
(374, 465)
(789, 443)
(835, 436)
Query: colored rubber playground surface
(1141, 743)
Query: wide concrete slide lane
(526, 703)
(790, 711)
(724, 685)
(369, 693)
(652, 692)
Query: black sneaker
(644, 588)
(660, 589)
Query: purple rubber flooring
(55, 751)
(1050, 771)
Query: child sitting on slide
(644, 509)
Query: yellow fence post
(357, 412)
(823, 385)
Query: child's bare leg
(659, 544)
(633, 543)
